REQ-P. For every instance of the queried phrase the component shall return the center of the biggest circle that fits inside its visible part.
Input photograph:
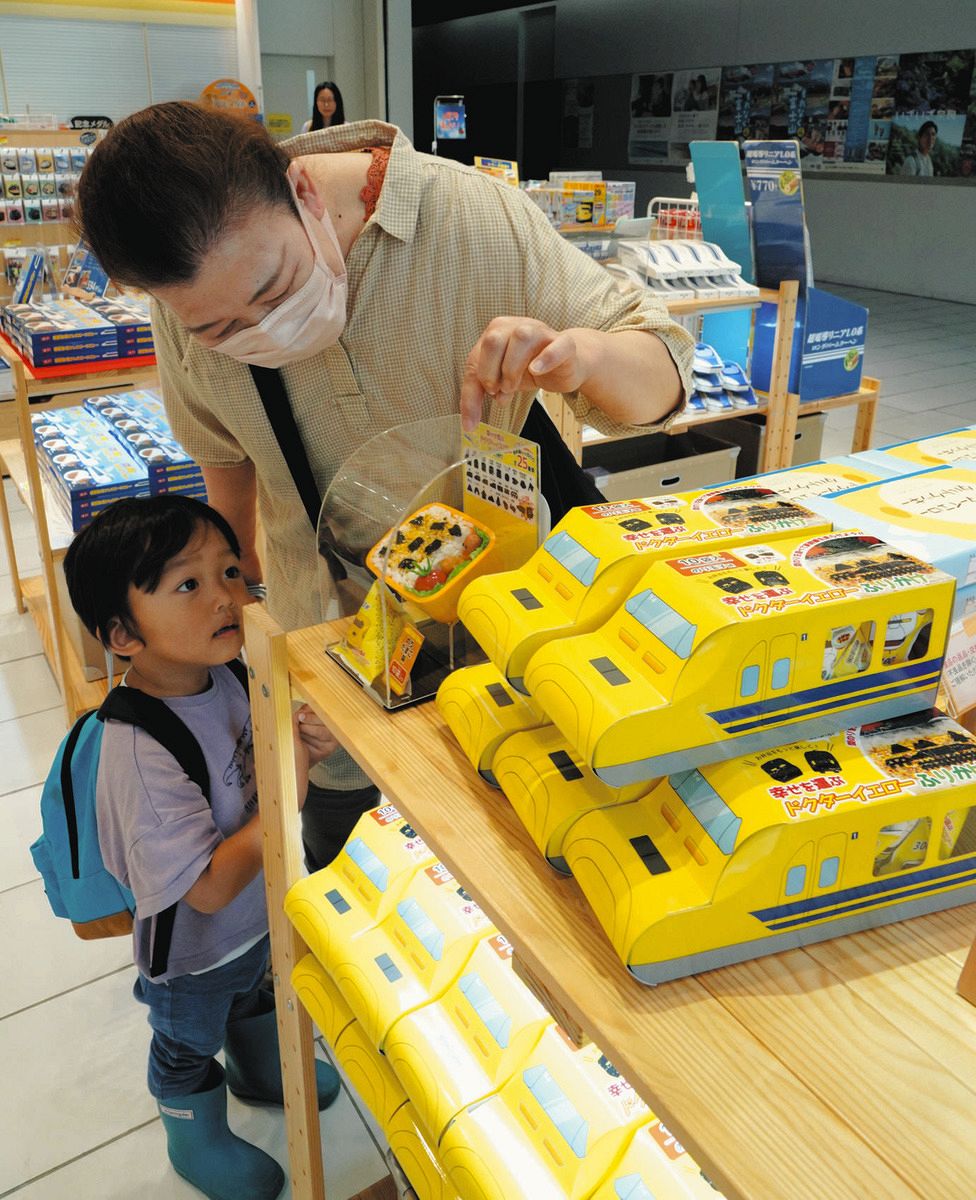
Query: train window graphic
(683, 672)
(872, 825)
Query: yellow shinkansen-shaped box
(550, 788)
(410, 1144)
(482, 709)
(553, 1132)
(596, 554)
(413, 955)
(370, 1074)
(656, 1166)
(467, 1045)
(321, 998)
(787, 846)
(713, 655)
(361, 887)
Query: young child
(158, 581)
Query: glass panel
(958, 833)
(907, 636)
(668, 626)
(829, 870)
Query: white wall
(907, 236)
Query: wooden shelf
(792, 1075)
(82, 694)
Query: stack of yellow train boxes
(702, 774)
(480, 1094)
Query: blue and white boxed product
(138, 421)
(956, 446)
(131, 321)
(86, 466)
(59, 332)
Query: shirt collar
(399, 201)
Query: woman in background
(327, 109)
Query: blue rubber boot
(254, 1068)
(204, 1151)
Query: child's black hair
(130, 543)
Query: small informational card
(502, 489)
(30, 278)
(84, 276)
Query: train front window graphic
(667, 625)
(577, 560)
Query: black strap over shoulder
(277, 408)
(239, 672)
(68, 791)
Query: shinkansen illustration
(596, 554)
(741, 858)
(711, 657)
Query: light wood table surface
(843, 1071)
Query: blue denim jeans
(189, 1016)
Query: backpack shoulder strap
(161, 723)
(240, 673)
(68, 789)
(133, 707)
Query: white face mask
(309, 321)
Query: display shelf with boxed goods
(596, 554)
(787, 846)
(716, 654)
(693, 1048)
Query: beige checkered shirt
(447, 250)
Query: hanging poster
(578, 114)
(745, 100)
(932, 101)
(872, 107)
(694, 110)
(449, 118)
(801, 102)
(967, 152)
(650, 118)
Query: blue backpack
(79, 886)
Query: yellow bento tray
(714, 655)
(482, 709)
(465, 1046)
(795, 844)
(596, 554)
(553, 1132)
(550, 788)
(418, 540)
(361, 887)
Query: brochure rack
(794, 1075)
(39, 594)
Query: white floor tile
(27, 747)
(26, 686)
(79, 1062)
(43, 954)
(20, 815)
(18, 635)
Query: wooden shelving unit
(18, 459)
(780, 407)
(840, 1070)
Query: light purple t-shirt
(157, 833)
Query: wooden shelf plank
(59, 530)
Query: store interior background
(75, 1114)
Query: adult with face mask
(388, 286)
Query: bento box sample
(431, 556)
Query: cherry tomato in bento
(429, 581)
(472, 542)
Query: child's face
(193, 618)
